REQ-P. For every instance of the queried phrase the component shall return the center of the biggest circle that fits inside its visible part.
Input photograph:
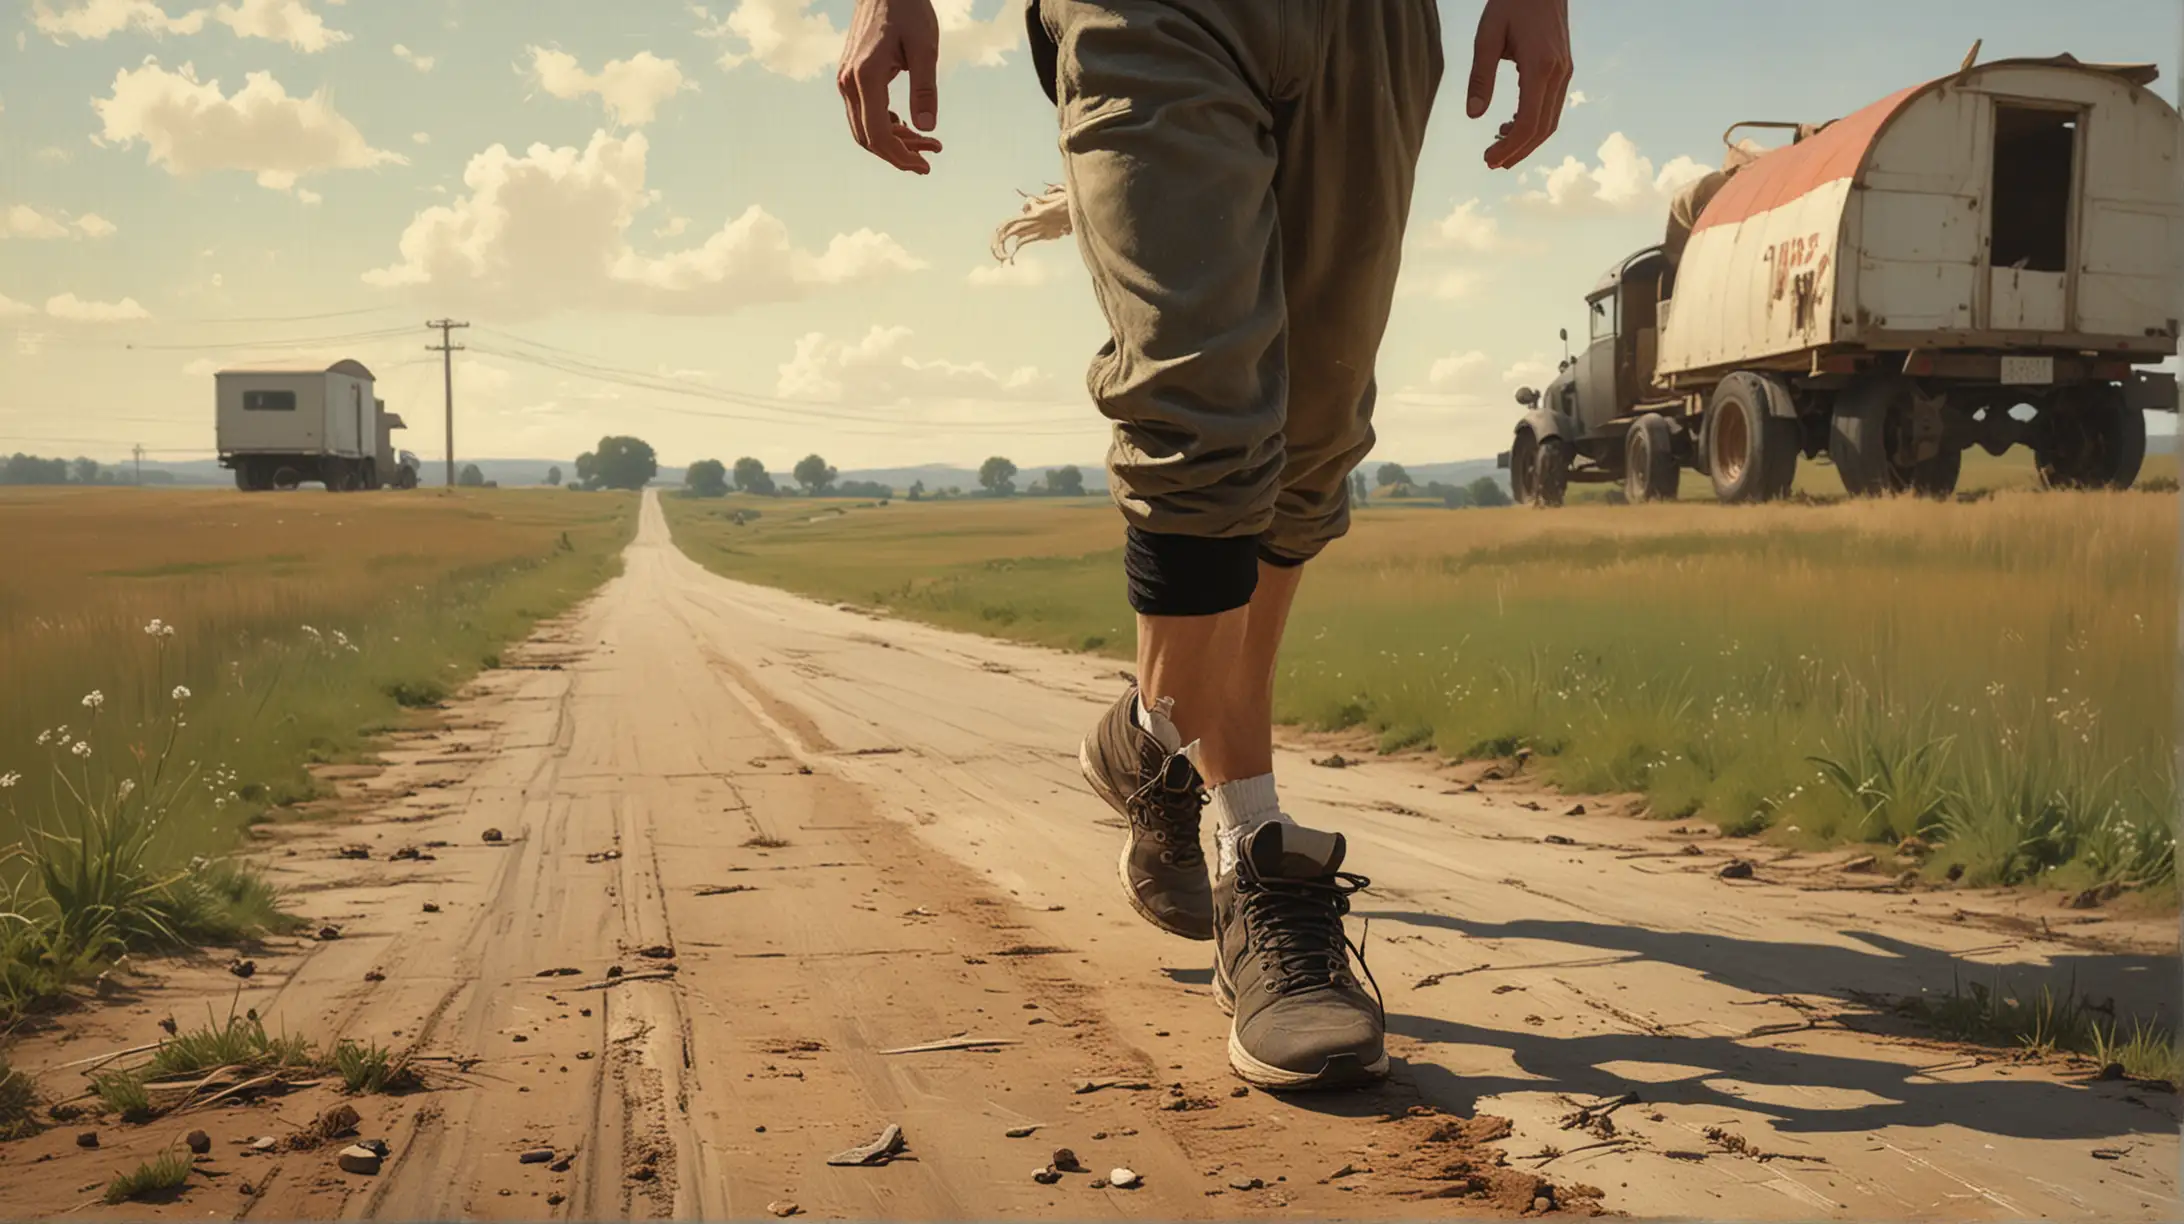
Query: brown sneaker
(1155, 787)
(1282, 965)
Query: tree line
(22, 469)
(815, 477)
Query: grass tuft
(158, 1179)
(124, 1095)
(369, 1068)
(18, 1104)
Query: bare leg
(1220, 672)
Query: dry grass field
(1996, 676)
(174, 661)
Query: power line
(447, 348)
(302, 318)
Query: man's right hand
(1536, 35)
(886, 39)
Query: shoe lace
(1297, 926)
(1170, 804)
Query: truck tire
(1868, 432)
(1523, 465)
(1751, 454)
(1551, 474)
(1650, 470)
(286, 478)
(371, 474)
(2090, 438)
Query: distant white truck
(278, 429)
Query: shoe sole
(1122, 865)
(1341, 1071)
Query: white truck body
(2020, 205)
(329, 412)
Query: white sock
(1154, 721)
(1238, 808)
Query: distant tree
(1487, 492)
(814, 475)
(997, 476)
(22, 469)
(1358, 492)
(1065, 482)
(1451, 496)
(471, 477)
(863, 488)
(751, 477)
(85, 471)
(917, 491)
(622, 462)
(1392, 474)
(553, 475)
(706, 478)
(587, 470)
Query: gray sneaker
(1154, 786)
(1282, 965)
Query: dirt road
(808, 837)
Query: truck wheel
(1551, 475)
(1523, 463)
(2090, 438)
(1751, 454)
(1650, 471)
(1869, 438)
(371, 474)
(286, 478)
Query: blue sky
(650, 191)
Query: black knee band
(1174, 575)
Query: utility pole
(447, 349)
(139, 450)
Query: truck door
(2032, 216)
(356, 400)
(1596, 402)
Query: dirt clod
(491, 835)
(1735, 869)
(242, 968)
(1045, 1176)
(329, 933)
(1065, 1160)
(1576, 810)
(1543, 1204)
(536, 1156)
(354, 851)
(1020, 1132)
(88, 1139)
(198, 1142)
(783, 1209)
(431, 908)
(374, 975)
(337, 1122)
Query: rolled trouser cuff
(1279, 560)
(1179, 575)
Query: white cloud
(1535, 371)
(1440, 284)
(307, 196)
(1023, 273)
(632, 89)
(54, 155)
(1622, 181)
(73, 309)
(23, 221)
(188, 126)
(673, 227)
(284, 21)
(1465, 228)
(420, 138)
(877, 371)
(96, 19)
(422, 63)
(549, 231)
(1458, 371)
(1576, 99)
(1469, 375)
(12, 309)
(785, 38)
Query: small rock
(583, 1011)
(519, 1037)
(1122, 1179)
(247, 1190)
(242, 968)
(556, 1200)
(784, 1209)
(1735, 869)
(263, 1143)
(1578, 810)
(329, 933)
(1955, 872)
(354, 852)
(1020, 1132)
(1066, 1160)
(1543, 1203)
(1045, 1176)
(561, 1165)
(1246, 1183)
(536, 1156)
(586, 1056)
(1864, 862)
(614, 971)
(643, 1173)
(658, 952)
(88, 1139)
(1348, 1170)
(2110, 1153)
(2113, 1071)
(430, 908)
(374, 975)
(357, 1158)
(338, 1121)
(405, 853)
(1557, 839)
(198, 1142)
(803, 769)
(558, 971)
(491, 835)
(1690, 851)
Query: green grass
(124, 1095)
(18, 1104)
(155, 1179)
(370, 1068)
(239, 1041)
(1998, 677)
(168, 687)
(2050, 1021)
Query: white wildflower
(313, 632)
(93, 699)
(45, 737)
(9, 779)
(82, 748)
(340, 638)
(128, 787)
(181, 693)
(158, 628)
(218, 804)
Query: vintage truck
(1983, 260)
(278, 429)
